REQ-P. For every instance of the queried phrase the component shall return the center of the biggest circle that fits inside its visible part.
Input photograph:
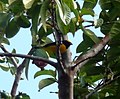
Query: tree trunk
(65, 85)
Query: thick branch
(101, 86)
(82, 60)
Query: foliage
(44, 17)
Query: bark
(65, 85)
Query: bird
(52, 47)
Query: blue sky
(22, 43)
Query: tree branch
(82, 60)
(12, 59)
(29, 57)
(22, 66)
(101, 86)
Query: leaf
(115, 30)
(45, 72)
(46, 82)
(63, 28)
(4, 68)
(16, 7)
(28, 3)
(4, 40)
(85, 11)
(27, 61)
(4, 19)
(13, 70)
(35, 11)
(43, 13)
(89, 4)
(92, 35)
(105, 4)
(40, 53)
(23, 21)
(64, 12)
(12, 29)
(42, 33)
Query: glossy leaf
(43, 13)
(12, 29)
(64, 12)
(45, 72)
(46, 82)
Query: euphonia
(51, 47)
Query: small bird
(51, 47)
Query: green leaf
(105, 4)
(27, 61)
(63, 28)
(45, 72)
(89, 4)
(64, 12)
(42, 33)
(4, 19)
(4, 68)
(4, 40)
(12, 29)
(17, 7)
(43, 13)
(23, 21)
(115, 30)
(34, 11)
(46, 82)
(13, 70)
(85, 11)
(40, 53)
(85, 45)
(92, 35)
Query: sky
(22, 43)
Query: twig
(81, 60)
(101, 86)
(12, 59)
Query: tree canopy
(93, 74)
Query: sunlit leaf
(64, 12)
(46, 82)
(43, 13)
(28, 3)
(45, 72)
(4, 68)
